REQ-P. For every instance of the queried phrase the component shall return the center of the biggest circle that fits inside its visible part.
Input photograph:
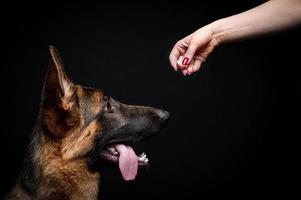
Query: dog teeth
(143, 158)
(113, 150)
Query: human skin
(189, 53)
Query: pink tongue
(128, 162)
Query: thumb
(189, 54)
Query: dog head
(90, 125)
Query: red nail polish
(185, 61)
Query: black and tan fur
(74, 125)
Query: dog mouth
(126, 158)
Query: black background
(233, 124)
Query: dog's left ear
(58, 101)
(57, 84)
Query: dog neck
(47, 175)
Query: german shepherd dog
(77, 128)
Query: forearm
(274, 15)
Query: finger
(173, 57)
(188, 56)
(190, 68)
(177, 50)
(196, 65)
(179, 63)
(185, 72)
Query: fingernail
(185, 61)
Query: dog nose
(164, 115)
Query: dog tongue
(128, 162)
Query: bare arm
(274, 15)
(190, 52)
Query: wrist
(217, 33)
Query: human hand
(189, 53)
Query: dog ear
(57, 107)
(57, 85)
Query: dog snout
(163, 115)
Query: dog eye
(105, 98)
(109, 107)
